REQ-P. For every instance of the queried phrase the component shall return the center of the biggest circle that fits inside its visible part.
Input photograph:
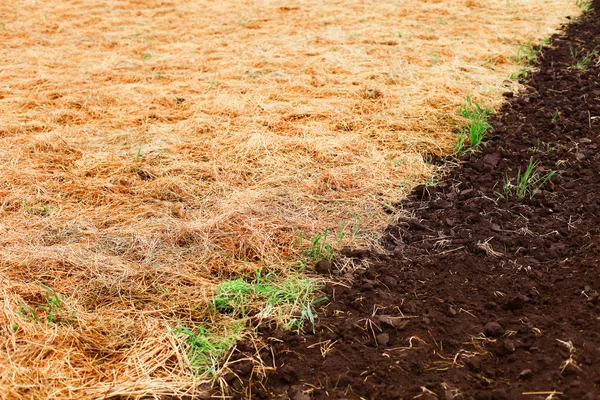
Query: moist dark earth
(479, 294)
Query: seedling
(319, 247)
(53, 308)
(27, 312)
(146, 56)
(582, 63)
(522, 74)
(528, 182)
(137, 159)
(536, 147)
(526, 55)
(355, 227)
(53, 303)
(471, 136)
(555, 116)
(542, 147)
(41, 210)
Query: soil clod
(493, 329)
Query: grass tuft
(288, 302)
(527, 54)
(582, 62)
(528, 182)
(586, 6)
(320, 248)
(471, 136)
(207, 347)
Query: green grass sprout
(471, 136)
(528, 182)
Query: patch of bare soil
(481, 294)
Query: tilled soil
(477, 296)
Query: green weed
(585, 5)
(526, 55)
(471, 136)
(319, 247)
(53, 305)
(52, 310)
(582, 62)
(146, 56)
(543, 147)
(138, 155)
(39, 209)
(528, 182)
(27, 312)
(207, 347)
(517, 76)
(355, 227)
(289, 302)
(555, 116)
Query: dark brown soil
(476, 297)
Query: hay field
(148, 149)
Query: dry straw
(149, 148)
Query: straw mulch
(150, 148)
